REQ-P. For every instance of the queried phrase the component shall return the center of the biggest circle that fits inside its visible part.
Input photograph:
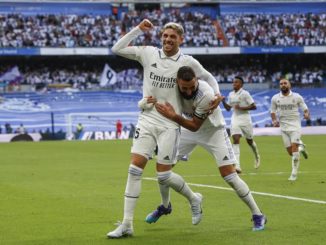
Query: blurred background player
(241, 102)
(79, 130)
(287, 104)
(118, 126)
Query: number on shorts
(137, 133)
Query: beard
(285, 90)
(188, 97)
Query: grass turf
(72, 193)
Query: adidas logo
(166, 158)
(154, 65)
(225, 158)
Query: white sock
(132, 192)
(254, 149)
(177, 183)
(164, 188)
(242, 189)
(295, 162)
(236, 149)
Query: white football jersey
(241, 98)
(287, 108)
(199, 105)
(160, 74)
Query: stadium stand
(204, 26)
(85, 74)
(55, 54)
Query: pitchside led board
(104, 135)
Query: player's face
(285, 86)
(171, 41)
(237, 84)
(188, 89)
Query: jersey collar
(281, 95)
(239, 91)
(174, 57)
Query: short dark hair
(186, 73)
(239, 78)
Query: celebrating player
(208, 131)
(286, 104)
(241, 102)
(160, 70)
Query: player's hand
(306, 115)
(147, 103)
(214, 103)
(166, 109)
(276, 124)
(151, 100)
(237, 107)
(145, 25)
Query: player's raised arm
(145, 25)
(122, 48)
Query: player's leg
(143, 146)
(168, 141)
(222, 151)
(241, 188)
(236, 134)
(287, 142)
(295, 142)
(186, 146)
(293, 152)
(236, 149)
(302, 150)
(248, 132)
(132, 193)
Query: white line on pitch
(254, 192)
(255, 173)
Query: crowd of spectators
(303, 78)
(250, 74)
(200, 30)
(75, 78)
(275, 30)
(132, 78)
(17, 30)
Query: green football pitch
(72, 193)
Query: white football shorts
(291, 137)
(215, 140)
(244, 130)
(148, 136)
